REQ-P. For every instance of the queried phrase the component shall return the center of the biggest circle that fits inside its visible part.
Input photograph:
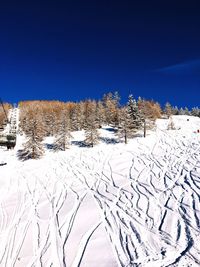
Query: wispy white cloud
(187, 67)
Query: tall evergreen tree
(111, 105)
(181, 111)
(63, 135)
(77, 116)
(168, 109)
(50, 122)
(150, 111)
(175, 110)
(101, 116)
(91, 125)
(33, 147)
(187, 112)
(125, 130)
(134, 114)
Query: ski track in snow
(114, 205)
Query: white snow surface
(111, 205)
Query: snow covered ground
(111, 205)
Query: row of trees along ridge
(39, 119)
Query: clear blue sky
(72, 50)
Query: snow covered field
(107, 206)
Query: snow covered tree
(171, 125)
(116, 100)
(91, 136)
(76, 111)
(101, 116)
(125, 128)
(168, 109)
(111, 105)
(175, 110)
(181, 111)
(195, 112)
(50, 119)
(187, 112)
(91, 125)
(134, 114)
(4, 108)
(33, 147)
(150, 111)
(63, 135)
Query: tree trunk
(125, 137)
(145, 128)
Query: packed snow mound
(111, 205)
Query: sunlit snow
(111, 205)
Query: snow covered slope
(111, 205)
